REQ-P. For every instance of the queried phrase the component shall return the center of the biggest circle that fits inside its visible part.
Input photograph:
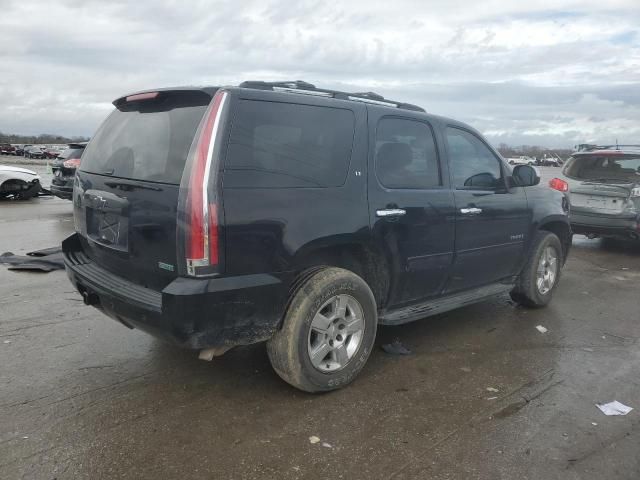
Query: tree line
(533, 151)
(46, 138)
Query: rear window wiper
(131, 186)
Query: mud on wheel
(541, 273)
(328, 332)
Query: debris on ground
(491, 389)
(465, 369)
(396, 348)
(313, 439)
(613, 408)
(45, 260)
(326, 445)
(492, 398)
(541, 329)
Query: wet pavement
(82, 397)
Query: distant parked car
(21, 149)
(549, 161)
(53, 152)
(34, 152)
(523, 160)
(64, 170)
(7, 149)
(603, 184)
(18, 183)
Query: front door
(411, 207)
(492, 221)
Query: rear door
(410, 205)
(492, 222)
(126, 191)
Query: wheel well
(562, 231)
(362, 260)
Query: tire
(320, 296)
(527, 291)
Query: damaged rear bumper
(192, 313)
(589, 223)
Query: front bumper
(191, 313)
(585, 222)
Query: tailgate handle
(391, 212)
(471, 211)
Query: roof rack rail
(585, 147)
(305, 88)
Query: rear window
(282, 145)
(147, 140)
(71, 153)
(604, 168)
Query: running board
(440, 305)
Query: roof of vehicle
(608, 150)
(296, 87)
(77, 145)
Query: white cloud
(511, 69)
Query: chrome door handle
(391, 212)
(471, 211)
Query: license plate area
(107, 220)
(597, 202)
(108, 229)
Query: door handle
(471, 211)
(391, 212)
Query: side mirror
(525, 176)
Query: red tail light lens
(559, 184)
(202, 212)
(72, 163)
(141, 96)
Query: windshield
(145, 140)
(604, 168)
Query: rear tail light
(201, 239)
(559, 184)
(72, 163)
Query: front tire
(328, 332)
(541, 274)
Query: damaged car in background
(603, 183)
(18, 183)
(64, 170)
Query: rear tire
(541, 274)
(328, 332)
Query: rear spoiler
(149, 94)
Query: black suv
(304, 217)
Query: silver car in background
(604, 189)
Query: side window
(406, 155)
(474, 166)
(286, 145)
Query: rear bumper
(62, 188)
(585, 223)
(191, 313)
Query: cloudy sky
(551, 73)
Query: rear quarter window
(283, 145)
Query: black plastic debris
(396, 348)
(45, 260)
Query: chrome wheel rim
(336, 332)
(547, 270)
